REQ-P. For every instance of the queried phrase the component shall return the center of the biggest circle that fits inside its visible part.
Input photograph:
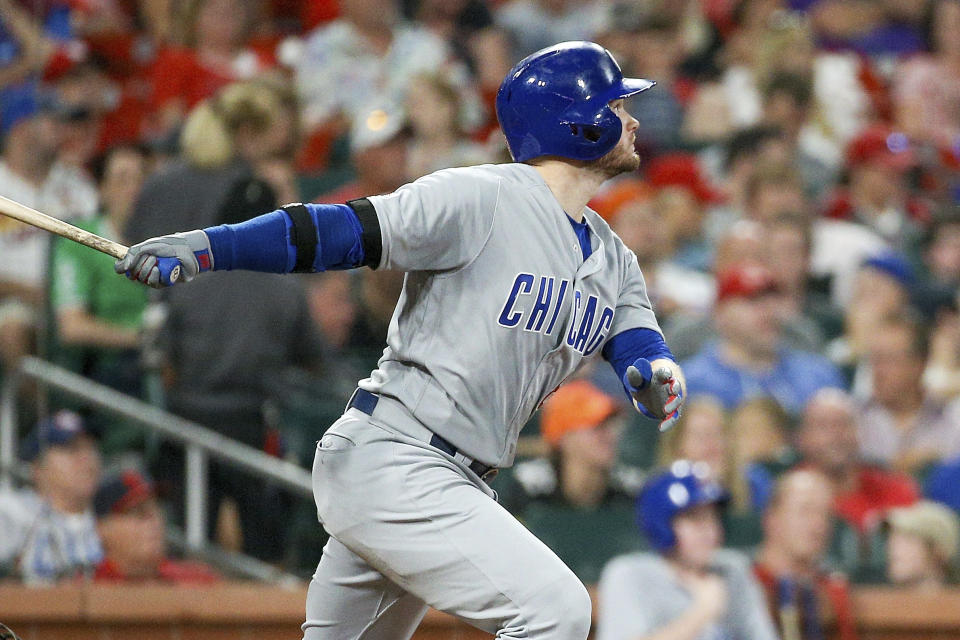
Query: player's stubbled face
(623, 157)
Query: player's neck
(572, 186)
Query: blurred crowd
(796, 217)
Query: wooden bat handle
(34, 218)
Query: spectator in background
(221, 379)
(650, 44)
(941, 258)
(938, 299)
(926, 90)
(742, 153)
(682, 199)
(827, 441)
(379, 148)
(789, 563)
(922, 546)
(707, 436)
(772, 190)
(810, 317)
(701, 437)
(672, 288)
(882, 289)
(864, 491)
(97, 318)
(227, 139)
(877, 195)
(32, 174)
(690, 589)
(760, 434)
(468, 28)
(787, 100)
(211, 53)
(438, 122)
(578, 501)
(131, 526)
(749, 358)
(899, 424)
(535, 24)
(49, 532)
(366, 56)
(26, 50)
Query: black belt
(363, 400)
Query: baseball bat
(169, 267)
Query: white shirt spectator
(66, 194)
(339, 72)
(533, 27)
(935, 431)
(839, 249)
(40, 545)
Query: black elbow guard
(370, 237)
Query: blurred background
(796, 217)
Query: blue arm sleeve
(264, 243)
(623, 349)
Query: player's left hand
(150, 261)
(657, 394)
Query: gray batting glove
(155, 262)
(657, 394)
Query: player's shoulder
(480, 183)
(510, 174)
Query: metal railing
(200, 443)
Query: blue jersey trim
(263, 243)
(582, 229)
(623, 349)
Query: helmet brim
(633, 86)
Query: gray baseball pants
(411, 527)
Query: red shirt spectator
(827, 441)
(131, 528)
(875, 491)
(788, 565)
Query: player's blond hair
(208, 134)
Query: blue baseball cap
(894, 265)
(60, 429)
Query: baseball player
(511, 282)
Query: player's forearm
(316, 238)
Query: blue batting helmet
(554, 102)
(683, 486)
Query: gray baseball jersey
(498, 306)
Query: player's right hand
(143, 261)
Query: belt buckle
(490, 474)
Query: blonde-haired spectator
(922, 546)
(248, 129)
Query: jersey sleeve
(439, 222)
(634, 310)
